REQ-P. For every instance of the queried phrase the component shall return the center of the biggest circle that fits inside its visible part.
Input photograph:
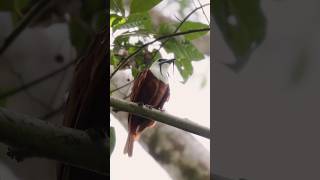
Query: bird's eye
(160, 60)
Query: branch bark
(34, 137)
(184, 124)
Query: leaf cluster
(138, 25)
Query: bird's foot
(162, 110)
(148, 106)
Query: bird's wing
(165, 98)
(134, 96)
(138, 83)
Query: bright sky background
(188, 100)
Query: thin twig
(178, 27)
(204, 12)
(36, 81)
(52, 113)
(114, 90)
(184, 124)
(34, 12)
(151, 42)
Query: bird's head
(160, 69)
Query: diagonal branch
(30, 137)
(184, 124)
(37, 81)
(35, 11)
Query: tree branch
(184, 124)
(34, 137)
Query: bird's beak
(169, 61)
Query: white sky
(186, 100)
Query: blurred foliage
(138, 24)
(84, 17)
(17, 8)
(189, 25)
(92, 19)
(243, 26)
(3, 101)
(138, 6)
(112, 139)
(300, 66)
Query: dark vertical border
(211, 93)
(107, 12)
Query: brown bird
(150, 88)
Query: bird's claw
(148, 106)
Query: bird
(151, 88)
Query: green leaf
(138, 6)
(19, 10)
(100, 20)
(20, 4)
(121, 41)
(90, 8)
(189, 25)
(15, 18)
(117, 6)
(112, 139)
(134, 72)
(166, 28)
(184, 49)
(116, 20)
(3, 101)
(79, 36)
(89, 13)
(184, 52)
(114, 60)
(185, 68)
(243, 26)
(139, 20)
(6, 5)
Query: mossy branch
(31, 137)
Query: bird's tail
(128, 149)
